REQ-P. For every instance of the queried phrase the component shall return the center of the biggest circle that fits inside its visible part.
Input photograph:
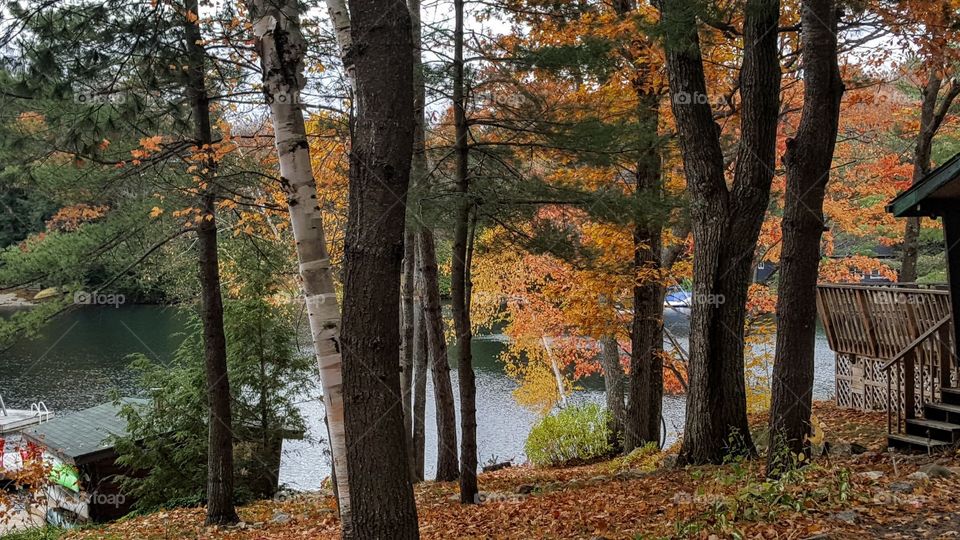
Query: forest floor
(859, 490)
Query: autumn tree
(808, 160)
(725, 219)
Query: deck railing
(928, 357)
(895, 337)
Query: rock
(843, 448)
(918, 476)
(280, 517)
(901, 487)
(871, 475)
(631, 474)
(934, 470)
(847, 516)
(526, 489)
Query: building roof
(84, 433)
(932, 194)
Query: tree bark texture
(932, 115)
(613, 382)
(407, 347)
(281, 48)
(381, 491)
(220, 509)
(447, 464)
(460, 285)
(808, 160)
(644, 403)
(725, 220)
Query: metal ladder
(41, 411)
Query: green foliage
(746, 496)
(36, 533)
(574, 435)
(168, 439)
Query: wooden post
(946, 356)
(951, 236)
(909, 385)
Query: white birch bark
(282, 47)
(561, 391)
(340, 18)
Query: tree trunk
(931, 118)
(808, 160)
(613, 382)
(220, 510)
(281, 48)
(420, 368)
(726, 221)
(642, 420)
(407, 348)
(418, 181)
(459, 284)
(447, 465)
(382, 146)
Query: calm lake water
(83, 355)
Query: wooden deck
(895, 352)
(867, 326)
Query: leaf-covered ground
(872, 494)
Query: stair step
(913, 440)
(934, 424)
(955, 409)
(950, 396)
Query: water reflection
(81, 356)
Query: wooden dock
(15, 420)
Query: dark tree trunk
(725, 221)
(460, 279)
(220, 510)
(642, 422)
(447, 466)
(931, 118)
(808, 160)
(408, 347)
(613, 382)
(381, 491)
(420, 368)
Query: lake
(81, 356)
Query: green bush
(37, 533)
(572, 436)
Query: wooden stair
(939, 429)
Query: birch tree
(281, 47)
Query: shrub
(572, 436)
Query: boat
(678, 297)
